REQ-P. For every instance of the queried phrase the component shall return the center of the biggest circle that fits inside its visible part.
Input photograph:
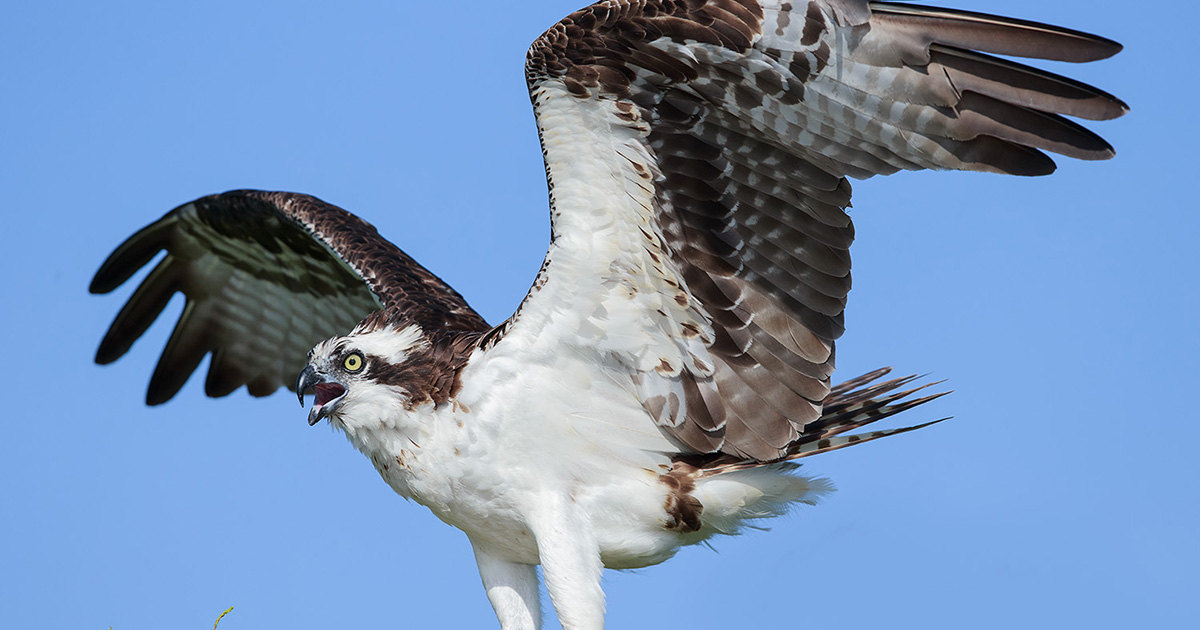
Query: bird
(673, 359)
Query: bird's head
(365, 376)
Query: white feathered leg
(570, 559)
(513, 590)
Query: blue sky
(1062, 310)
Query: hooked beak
(328, 393)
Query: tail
(849, 406)
(731, 492)
(855, 404)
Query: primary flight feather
(673, 357)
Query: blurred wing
(266, 275)
(697, 155)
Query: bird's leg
(570, 559)
(513, 590)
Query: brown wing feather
(758, 112)
(990, 33)
(266, 275)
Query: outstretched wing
(266, 275)
(697, 153)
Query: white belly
(483, 462)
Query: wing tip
(133, 254)
(158, 396)
(1008, 35)
(1105, 47)
(1122, 107)
(106, 353)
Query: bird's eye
(353, 362)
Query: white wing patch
(615, 291)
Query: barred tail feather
(849, 406)
(857, 403)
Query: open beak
(328, 393)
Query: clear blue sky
(1062, 310)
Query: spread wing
(266, 275)
(698, 154)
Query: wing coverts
(754, 115)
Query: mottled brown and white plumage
(675, 352)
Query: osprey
(673, 357)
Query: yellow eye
(353, 362)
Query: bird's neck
(405, 444)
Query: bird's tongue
(326, 392)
